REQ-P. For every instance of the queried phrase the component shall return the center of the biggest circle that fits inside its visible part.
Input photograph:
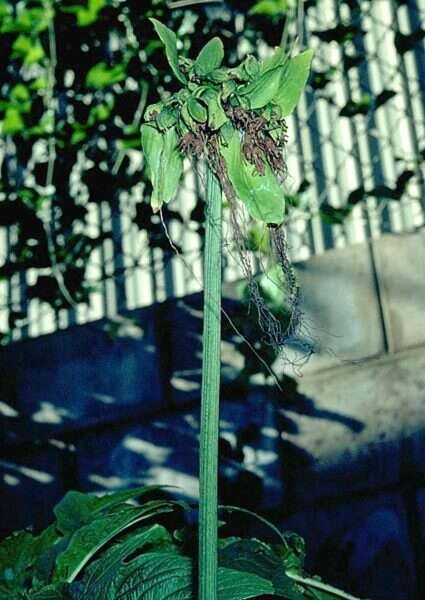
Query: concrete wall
(338, 456)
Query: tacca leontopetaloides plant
(106, 548)
(233, 119)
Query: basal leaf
(234, 585)
(89, 539)
(102, 576)
(77, 509)
(209, 58)
(16, 556)
(293, 82)
(170, 575)
(169, 39)
(255, 558)
(261, 194)
(157, 575)
(49, 592)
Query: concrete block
(81, 376)
(362, 546)
(180, 336)
(400, 261)
(341, 314)
(355, 428)
(31, 482)
(165, 452)
(341, 309)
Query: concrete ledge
(366, 430)
(400, 261)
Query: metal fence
(358, 134)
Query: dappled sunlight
(151, 452)
(104, 398)
(50, 414)
(30, 473)
(187, 485)
(110, 483)
(184, 385)
(11, 480)
(7, 411)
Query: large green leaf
(102, 576)
(209, 58)
(169, 39)
(157, 575)
(294, 79)
(261, 194)
(163, 575)
(16, 556)
(164, 163)
(89, 539)
(234, 585)
(49, 592)
(251, 556)
(77, 509)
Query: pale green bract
(209, 58)
(294, 79)
(216, 115)
(169, 39)
(164, 163)
(262, 90)
(261, 194)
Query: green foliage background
(75, 78)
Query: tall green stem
(208, 473)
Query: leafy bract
(277, 59)
(164, 163)
(294, 79)
(262, 90)
(169, 39)
(209, 58)
(216, 115)
(261, 194)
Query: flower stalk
(209, 425)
